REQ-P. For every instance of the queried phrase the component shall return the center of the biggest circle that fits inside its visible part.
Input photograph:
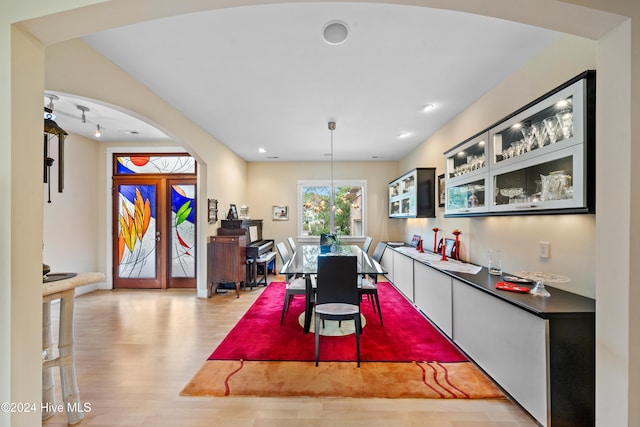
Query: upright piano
(257, 247)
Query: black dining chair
(369, 285)
(337, 295)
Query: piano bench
(263, 263)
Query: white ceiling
(262, 76)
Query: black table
(305, 262)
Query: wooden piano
(257, 249)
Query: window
(315, 213)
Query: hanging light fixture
(98, 133)
(332, 127)
(52, 130)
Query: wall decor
(442, 191)
(213, 211)
(280, 213)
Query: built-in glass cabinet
(540, 159)
(413, 194)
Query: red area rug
(405, 337)
(405, 358)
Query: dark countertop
(560, 304)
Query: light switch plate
(543, 249)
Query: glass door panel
(183, 232)
(137, 233)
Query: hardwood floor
(135, 350)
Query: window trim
(362, 183)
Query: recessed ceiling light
(132, 132)
(428, 107)
(262, 150)
(403, 134)
(273, 157)
(335, 32)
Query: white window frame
(336, 183)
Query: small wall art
(280, 213)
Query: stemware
(565, 121)
(511, 193)
(540, 133)
(529, 135)
(553, 129)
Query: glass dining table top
(305, 259)
(305, 262)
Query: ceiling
(263, 76)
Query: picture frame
(280, 213)
(442, 191)
(233, 212)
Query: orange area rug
(341, 379)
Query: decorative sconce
(51, 130)
(213, 211)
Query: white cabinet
(510, 344)
(433, 296)
(387, 262)
(413, 194)
(540, 158)
(403, 274)
(541, 351)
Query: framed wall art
(280, 213)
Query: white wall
(71, 221)
(572, 237)
(275, 183)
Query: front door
(154, 228)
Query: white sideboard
(541, 351)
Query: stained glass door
(154, 221)
(182, 233)
(138, 224)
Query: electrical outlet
(543, 249)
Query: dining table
(304, 262)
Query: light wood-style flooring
(135, 350)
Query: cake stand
(540, 278)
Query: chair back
(378, 251)
(337, 280)
(367, 244)
(283, 252)
(293, 245)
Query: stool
(263, 262)
(64, 290)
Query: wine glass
(565, 121)
(540, 133)
(553, 129)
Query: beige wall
(71, 226)
(276, 183)
(572, 237)
(21, 74)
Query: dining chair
(367, 244)
(337, 295)
(292, 244)
(293, 285)
(369, 285)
